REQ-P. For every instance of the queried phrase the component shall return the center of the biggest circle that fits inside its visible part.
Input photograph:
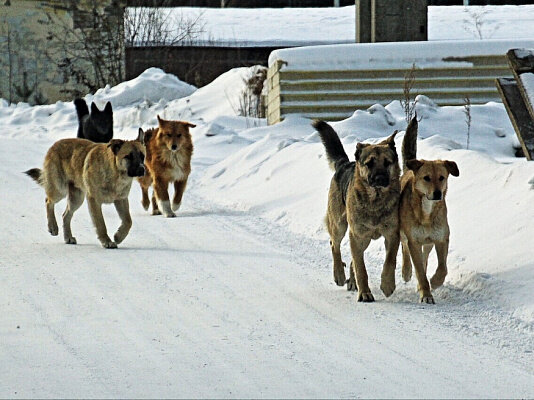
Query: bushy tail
(36, 174)
(409, 143)
(81, 110)
(334, 149)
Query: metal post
(336, 3)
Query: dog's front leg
(419, 267)
(392, 241)
(123, 209)
(179, 188)
(162, 195)
(442, 249)
(95, 209)
(358, 245)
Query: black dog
(97, 126)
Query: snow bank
(392, 55)
(152, 85)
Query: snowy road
(217, 303)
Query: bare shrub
(251, 100)
(406, 102)
(467, 112)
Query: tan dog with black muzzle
(102, 172)
(364, 196)
(423, 214)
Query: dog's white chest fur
(177, 162)
(427, 206)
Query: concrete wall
(391, 21)
(195, 65)
(31, 60)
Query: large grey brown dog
(79, 168)
(364, 196)
(423, 214)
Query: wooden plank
(518, 114)
(521, 60)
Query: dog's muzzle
(139, 171)
(437, 195)
(379, 180)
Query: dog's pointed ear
(160, 121)
(94, 108)
(452, 168)
(141, 136)
(108, 108)
(189, 124)
(359, 148)
(115, 145)
(414, 165)
(390, 141)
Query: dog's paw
(437, 280)
(176, 206)
(340, 277)
(169, 215)
(406, 273)
(145, 205)
(351, 285)
(428, 299)
(109, 245)
(366, 297)
(54, 231)
(71, 240)
(388, 287)
(118, 238)
(156, 212)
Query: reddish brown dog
(169, 148)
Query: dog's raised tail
(36, 174)
(81, 110)
(409, 143)
(334, 149)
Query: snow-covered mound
(152, 86)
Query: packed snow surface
(235, 296)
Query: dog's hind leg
(95, 209)
(351, 282)
(123, 209)
(155, 208)
(442, 249)
(337, 230)
(74, 201)
(406, 263)
(392, 240)
(358, 244)
(51, 216)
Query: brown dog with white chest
(169, 149)
(102, 172)
(423, 214)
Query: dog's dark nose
(380, 180)
(140, 171)
(437, 195)
(174, 147)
